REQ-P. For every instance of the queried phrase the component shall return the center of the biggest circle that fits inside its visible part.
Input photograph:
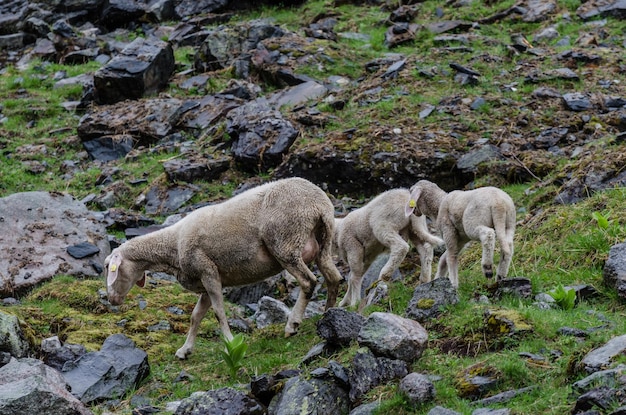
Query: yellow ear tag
(113, 268)
(412, 203)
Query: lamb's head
(122, 274)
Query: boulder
(142, 68)
(12, 338)
(29, 386)
(602, 357)
(37, 228)
(261, 135)
(368, 371)
(109, 373)
(428, 299)
(313, 396)
(339, 327)
(393, 336)
(224, 401)
(614, 272)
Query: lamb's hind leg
(307, 281)
(331, 274)
(355, 278)
(487, 238)
(506, 255)
(199, 311)
(426, 253)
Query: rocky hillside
(144, 110)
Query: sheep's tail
(325, 233)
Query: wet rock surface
(41, 227)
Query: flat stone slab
(36, 230)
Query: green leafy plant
(603, 221)
(564, 297)
(234, 352)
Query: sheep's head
(122, 274)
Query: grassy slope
(554, 244)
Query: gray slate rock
(428, 299)
(365, 409)
(37, 228)
(601, 358)
(440, 410)
(12, 338)
(393, 336)
(368, 371)
(27, 386)
(614, 272)
(224, 401)
(147, 121)
(417, 388)
(142, 68)
(610, 377)
(313, 396)
(118, 367)
(339, 327)
(261, 135)
(270, 311)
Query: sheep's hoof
(182, 354)
(488, 271)
(292, 329)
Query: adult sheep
(279, 225)
(381, 226)
(484, 214)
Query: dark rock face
(29, 386)
(261, 136)
(142, 68)
(369, 371)
(614, 272)
(310, 397)
(339, 326)
(429, 298)
(224, 401)
(109, 373)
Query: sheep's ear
(410, 205)
(114, 266)
(142, 281)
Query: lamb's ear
(142, 281)
(410, 205)
(114, 266)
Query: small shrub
(564, 297)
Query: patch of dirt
(462, 347)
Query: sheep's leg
(426, 253)
(199, 311)
(307, 282)
(398, 248)
(330, 272)
(442, 267)
(487, 237)
(506, 255)
(355, 278)
(451, 256)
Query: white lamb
(484, 214)
(279, 225)
(381, 226)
